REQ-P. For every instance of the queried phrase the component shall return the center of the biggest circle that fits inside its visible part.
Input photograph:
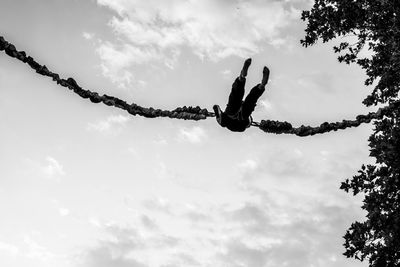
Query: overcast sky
(87, 185)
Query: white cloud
(157, 31)
(110, 125)
(311, 233)
(318, 80)
(53, 168)
(226, 74)
(248, 165)
(115, 60)
(88, 35)
(37, 251)
(126, 246)
(266, 104)
(226, 234)
(63, 212)
(10, 249)
(148, 222)
(193, 135)
(49, 168)
(160, 140)
(282, 164)
(134, 152)
(158, 204)
(164, 172)
(95, 222)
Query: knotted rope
(189, 113)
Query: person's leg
(246, 65)
(237, 92)
(265, 77)
(236, 96)
(250, 102)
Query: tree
(372, 25)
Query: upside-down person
(237, 114)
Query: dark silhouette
(372, 25)
(194, 113)
(237, 114)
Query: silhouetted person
(237, 114)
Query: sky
(87, 185)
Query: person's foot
(265, 77)
(245, 68)
(218, 113)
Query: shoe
(218, 114)
(265, 76)
(245, 68)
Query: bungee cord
(189, 113)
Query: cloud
(95, 222)
(279, 164)
(37, 251)
(238, 254)
(148, 223)
(165, 173)
(183, 259)
(63, 212)
(160, 140)
(263, 226)
(158, 204)
(250, 213)
(53, 167)
(250, 234)
(88, 35)
(124, 246)
(198, 217)
(248, 165)
(134, 152)
(9, 248)
(158, 31)
(310, 235)
(49, 168)
(194, 135)
(266, 104)
(116, 60)
(110, 125)
(318, 81)
(103, 256)
(226, 74)
(262, 231)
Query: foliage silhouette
(375, 25)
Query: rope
(189, 113)
(186, 113)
